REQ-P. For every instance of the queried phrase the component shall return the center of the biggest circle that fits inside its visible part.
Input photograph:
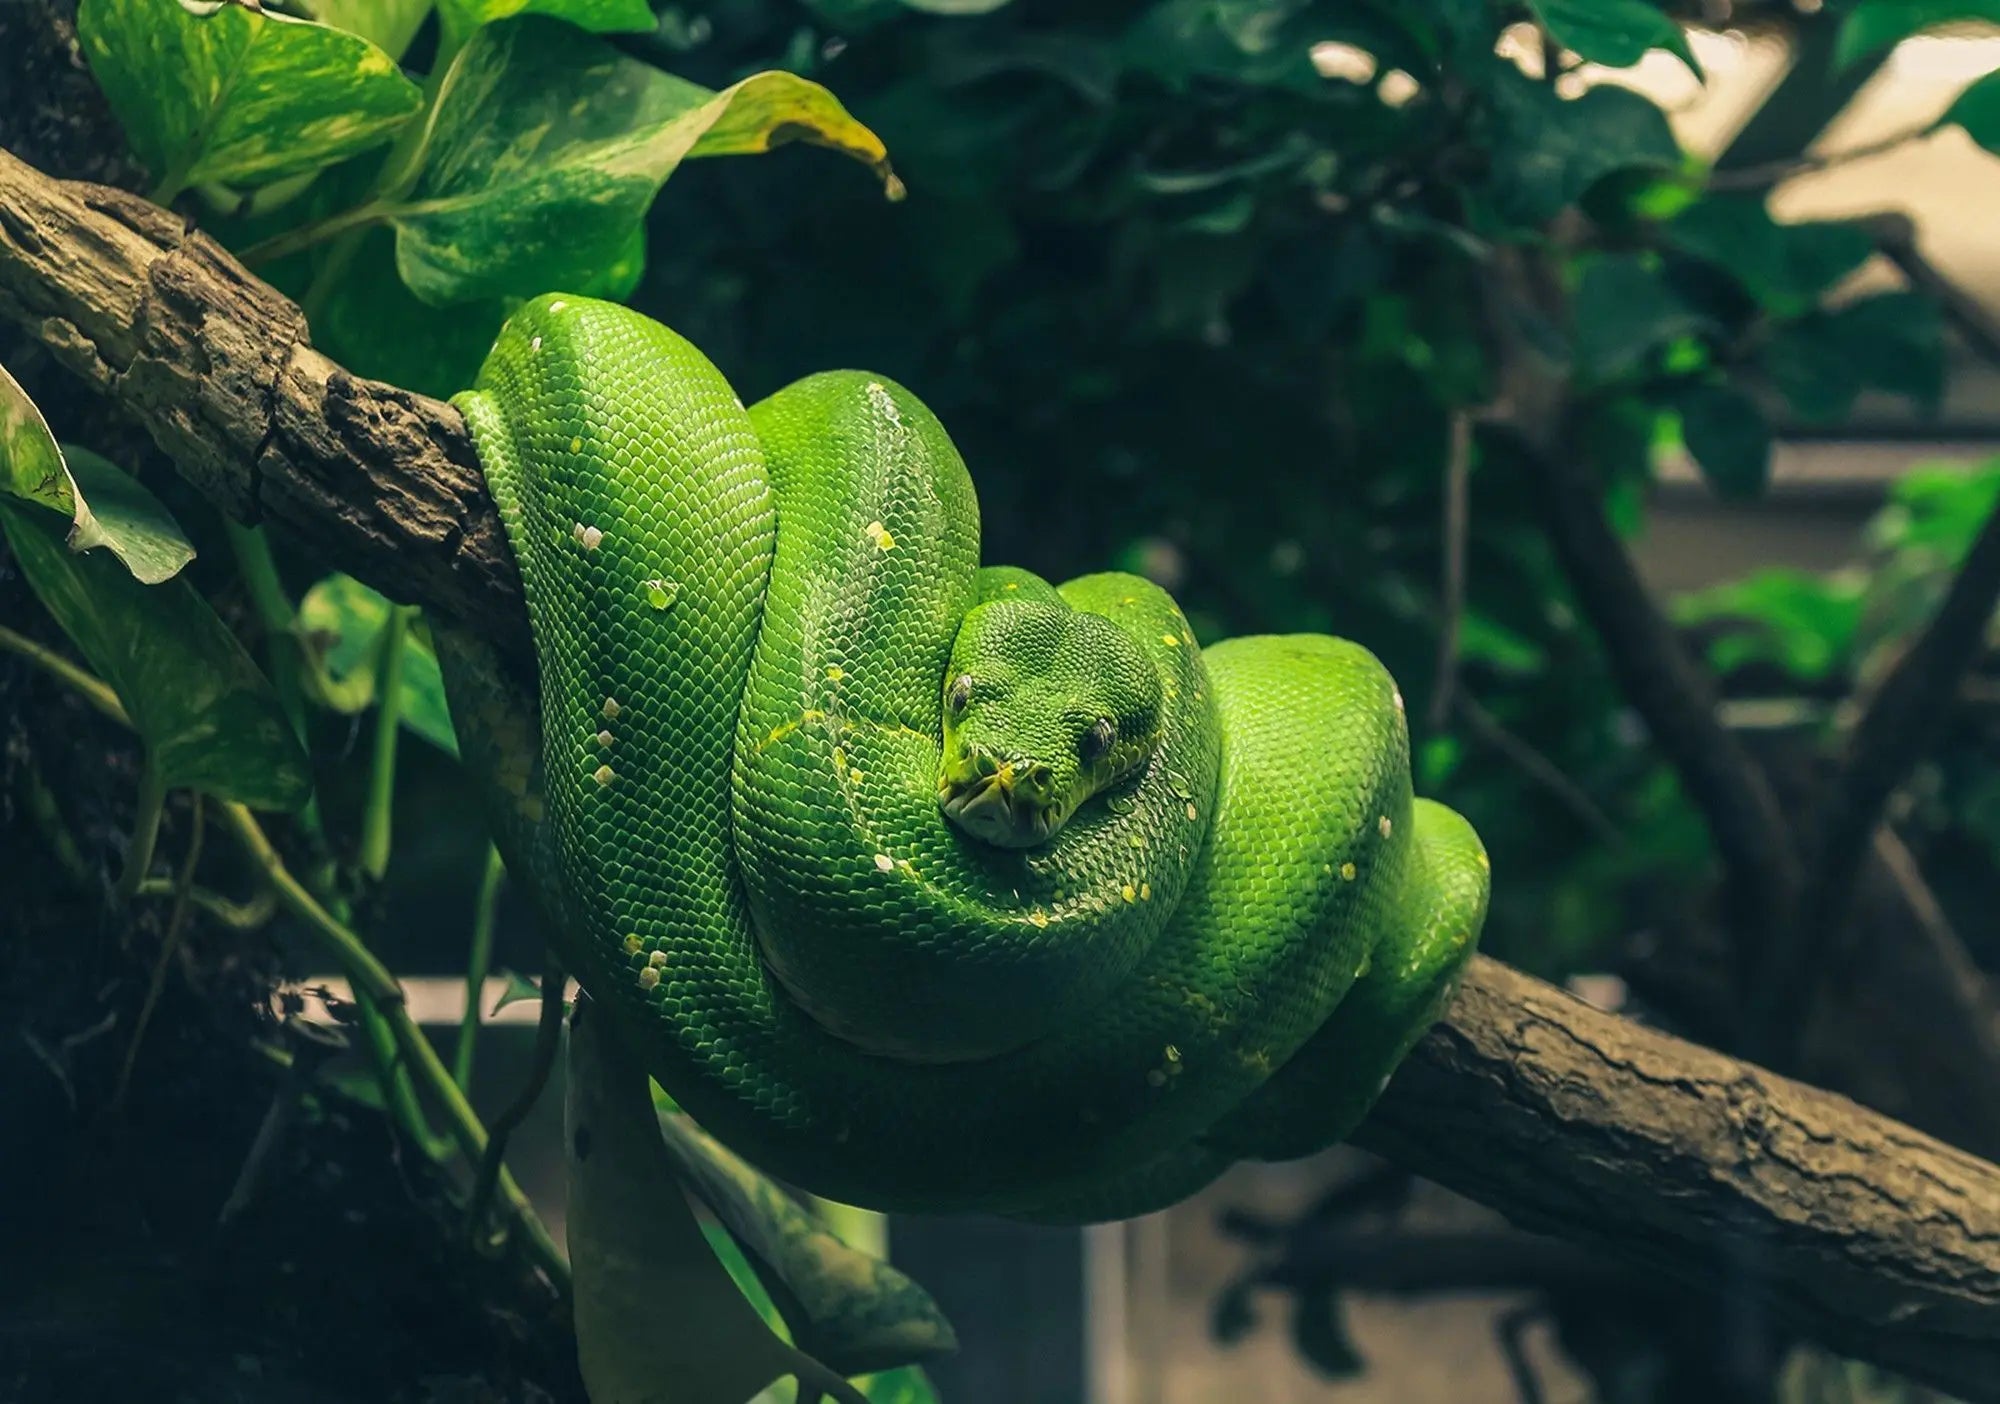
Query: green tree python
(923, 885)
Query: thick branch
(218, 368)
(1858, 1231)
(1870, 1235)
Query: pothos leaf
(106, 507)
(243, 96)
(341, 622)
(548, 146)
(388, 24)
(1617, 33)
(462, 17)
(208, 717)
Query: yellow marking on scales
(1347, 872)
(602, 775)
(834, 672)
(879, 534)
(1384, 825)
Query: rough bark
(1860, 1231)
(1855, 1229)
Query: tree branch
(1869, 1235)
(1854, 1229)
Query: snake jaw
(999, 801)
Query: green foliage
(343, 624)
(1874, 25)
(239, 97)
(1614, 32)
(106, 507)
(207, 716)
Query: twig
(169, 945)
(1537, 767)
(1895, 234)
(548, 1037)
(1771, 173)
(1899, 725)
(1457, 522)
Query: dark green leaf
(1896, 342)
(518, 988)
(210, 720)
(375, 326)
(1623, 309)
(1728, 438)
(1977, 109)
(549, 145)
(1547, 151)
(104, 505)
(242, 97)
(1800, 622)
(1875, 25)
(1617, 33)
(1785, 267)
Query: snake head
(1044, 707)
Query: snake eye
(961, 692)
(1095, 744)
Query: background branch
(1869, 1235)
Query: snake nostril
(1039, 774)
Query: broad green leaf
(388, 24)
(1624, 308)
(208, 717)
(1728, 438)
(1875, 25)
(847, 1308)
(341, 622)
(242, 97)
(462, 17)
(1785, 267)
(1616, 33)
(1977, 109)
(1547, 150)
(657, 1316)
(549, 145)
(105, 506)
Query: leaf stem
(548, 1037)
(182, 886)
(377, 821)
(368, 975)
(91, 689)
(318, 232)
(145, 830)
(478, 961)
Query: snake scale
(924, 885)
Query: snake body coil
(765, 642)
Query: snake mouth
(1001, 802)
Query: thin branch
(1895, 234)
(1538, 768)
(1772, 173)
(1869, 1235)
(548, 1038)
(1457, 524)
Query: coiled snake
(922, 885)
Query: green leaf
(208, 717)
(1875, 25)
(1728, 438)
(341, 622)
(372, 324)
(957, 7)
(1547, 150)
(1803, 623)
(1617, 33)
(519, 989)
(548, 146)
(1977, 109)
(1891, 341)
(462, 17)
(847, 1308)
(105, 506)
(1625, 307)
(241, 97)
(388, 24)
(1785, 267)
